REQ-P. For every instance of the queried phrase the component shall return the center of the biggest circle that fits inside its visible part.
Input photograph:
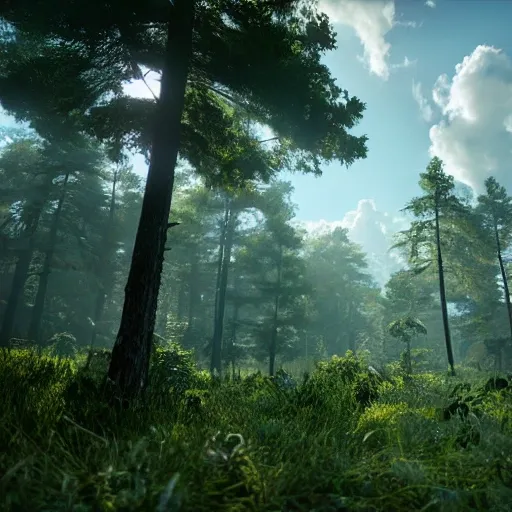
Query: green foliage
(406, 328)
(344, 306)
(380, 420)
(347, 378)
(62, 344)
(32, 388)
(249, 444)
(420, 359)
(345, 368)
(172, 370)
(98, 55)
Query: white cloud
(373, 230)
(474, 137)
(371, 20)
(425, 108)
(431, 4)
(406, 63)
(410, 24)
(147, 88)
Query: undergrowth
(343, 438)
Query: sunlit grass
(250, 444)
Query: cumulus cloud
(425, 108)
(431, 4)
(373, 230)
(371, 20)
(474, 137)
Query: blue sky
(437, 79)
(398, 135)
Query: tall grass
(341, 440)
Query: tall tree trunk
(182, 295)
(103, 272)
(273, 337)
(34, 331)
(20, 276)
(351, 330)
(408, 358)
(16, 292)
(232, 341)
(442, 294)
(218, 328)
(505, 289)
(193, 301)
(163, 313)
(234, 328)
(130, 356)
(220, 256)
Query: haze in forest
(426, 85)
(255, 255)
(423, 83)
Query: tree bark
(218, 328)
(408, 362)
(232, 341)
(442, 294)
(273, 337)
(182, 296)
(104, 276)
(504, 277)
(193, 301)
(234, 328)
(351, 329)
(163, 311)
(20, 276)
(505, 289)
(17, 288)
(130, 356)
(34, 331)
(220, 256)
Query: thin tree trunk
(442, 294)
(234, 328)
(163, 314)
(16, 292)
(20, 277)
(34, 331)
(103, 273)
(220, 256)
(182, 295)
(130, 356)
(218, 328)
(193, 301)
(273, 338)
(351, 330)
(408, 362)
(505, 289)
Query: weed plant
(342, 438)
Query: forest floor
(344, 439)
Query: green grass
(197, 445)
